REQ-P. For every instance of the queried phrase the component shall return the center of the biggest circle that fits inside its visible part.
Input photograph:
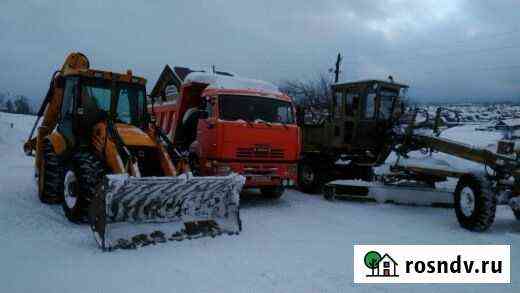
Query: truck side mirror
(300, 115)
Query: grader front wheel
(475, 203)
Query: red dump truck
(230, 124)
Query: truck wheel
(475, 203)
(308, 179)
(365, 173)
(50, 177)
(272, 192)
(81, 181)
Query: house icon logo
(380, 266)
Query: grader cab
(350, 135)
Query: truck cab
(230, 124)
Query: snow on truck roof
(217, 81)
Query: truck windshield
(251, 108)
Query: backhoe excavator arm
(51, 104)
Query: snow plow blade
(129, 212)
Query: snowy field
(300, 243)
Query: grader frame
(477, 193)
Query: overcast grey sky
(442, 48)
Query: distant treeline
(456, 102)
(18, 104)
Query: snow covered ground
(300, 243)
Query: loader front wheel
(475, 203)
(50, 177)
(272, 192)
(80, 183)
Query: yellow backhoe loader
(99, 154)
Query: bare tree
(312, 96)
(312, 92)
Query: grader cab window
(387, 99)
(351, 103)
(370, 105)
(338, 104)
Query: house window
(171, 94)
(386, 264)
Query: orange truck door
(207, 134)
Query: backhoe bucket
(129, 212)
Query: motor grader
(368, 121)
(99, 154)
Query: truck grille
(250, 153)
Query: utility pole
(337, 70)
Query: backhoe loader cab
(92, 96)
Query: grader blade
(129, 212)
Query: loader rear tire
(475, 203)
(50, 179)
(81, 181)
(275, 192)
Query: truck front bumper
(257, 174)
